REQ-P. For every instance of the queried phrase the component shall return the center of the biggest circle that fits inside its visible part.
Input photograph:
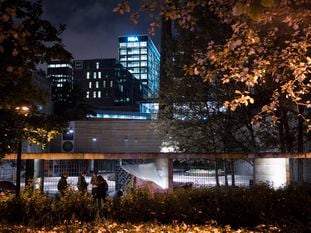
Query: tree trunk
(216, 173)
(232, 173)
(226, 172)
(300, 148)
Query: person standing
(94, 183)
(62, 184)
(82, 184)
(101, 190)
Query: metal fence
(185, 172)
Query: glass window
(104, 83)
(87, 75)
(99, 74)
(96, 84)
(99, 94)
(123, 51)
(133, 58)
(133, 44)
(143, 70)
(133, 64)
(136, 76)
(122, 58)
(121, 88)
(143, 51)
(143, 63)
(97, 65)
(94, 75)
(90, 84)
(111, 83)
(94, 94)
(133, 51)
(143, 43)
(87, 94)
(135, 70)
(143, 76)
(143, 57)
(122, 45)
(123, 64)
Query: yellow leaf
(267, 3)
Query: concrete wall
(113, 136)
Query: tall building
(60, 74)
(142, 58)
(107, 85)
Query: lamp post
(22, 110)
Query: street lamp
(22, 110)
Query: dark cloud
(92, 29)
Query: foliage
(109, 226)
(289, 209)
(264, 64)
(25, 41)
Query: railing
(187, 170)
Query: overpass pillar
(274, 171)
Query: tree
(267, 53)
(25, 41)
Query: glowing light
(132, 38)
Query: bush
(288, 208)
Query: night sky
(92, 29)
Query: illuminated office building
(107, 85)
(60, 74)
(141, 57)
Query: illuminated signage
(132, 38)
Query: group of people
(99, 186)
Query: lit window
(122, 45)
(97, 65)
(143, 57)
(133, 58)
(133, 44)
(143, 43)
(99, 74)
(87, 75)
(133, 51)
(99, 94)
(87, 94)
(122, 58)
(94, 94)
(143, 51)
(123, 64)
(121, 88)
(96, 84)
(104, 83)
(143, 63)
(136, 76)
(143, 76)
(144, 70)
(111, 83)
(90, 84)
(94, 75)
(123, 51)
(133, 64)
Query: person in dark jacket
(101, 190)
(62, 184)
(82, 184)
(94, 183)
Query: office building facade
(60, 75)
(107, 85)
(141, 57)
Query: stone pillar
(272, 170)
(39, 174)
